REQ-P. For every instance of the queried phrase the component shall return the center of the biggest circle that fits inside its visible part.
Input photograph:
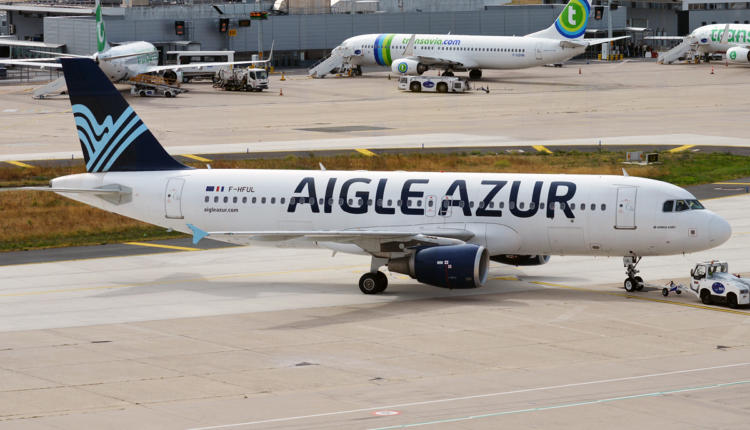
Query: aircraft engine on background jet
(521, 260)
(171, 77)
(449, 266)
(738, 55)
(407, 66)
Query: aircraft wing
(40, 62)
(589, 42)
(664, 37)
(372, 241)
(199, 66)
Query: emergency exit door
(626, 208)
(538, 51)
(173, 198)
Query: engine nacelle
(172, 77)
(738, 55)
(406, 66)
(521, 260)
(449, 266)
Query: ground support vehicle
(151, 85)
(241, 79)
(440, 84)
(712, 282)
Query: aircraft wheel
(638, 283)
(629, 285)
(415, 87)
(475, 74)
(732, 300)
(369, 284)
(442, 87)
(706, 297)
(382, 281)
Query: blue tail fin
(113, 137)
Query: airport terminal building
(304, 31)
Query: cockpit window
(681, 205)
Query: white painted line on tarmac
(476, 396)
(566, 405)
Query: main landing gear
(632, 282)
(375, 281)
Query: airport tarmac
(625, 103)
(246, 337)
(277, 338)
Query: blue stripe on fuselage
(378, 50)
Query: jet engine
(449, 266)
(171, 77)
(406, 66)
(521, 260)
(738, 55)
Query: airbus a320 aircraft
(440, 228)
(123, 63)
(559, 42)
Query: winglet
(409, 51)
(725, 35)
(198, 234)
(624, 172)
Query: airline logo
(733, 55)
(572, 21)
(101, 41)
(735, 35)
(403, 67)
(103, 143)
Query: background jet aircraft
(415, 54)
(732, 39)
(121, 63)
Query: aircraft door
(430, 205)
(445, 207)
(173, 198)
(625, 218)
(538, 51)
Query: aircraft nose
(719, 230)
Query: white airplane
(440, 228)
(732, 39)
(415, 54)
(124, 62)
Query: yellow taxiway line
(196, 158)
(20, 164)
(158, 245)
(541, 148)
(640, 297)
(681, 148)
(366, 152)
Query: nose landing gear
(632, 282)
